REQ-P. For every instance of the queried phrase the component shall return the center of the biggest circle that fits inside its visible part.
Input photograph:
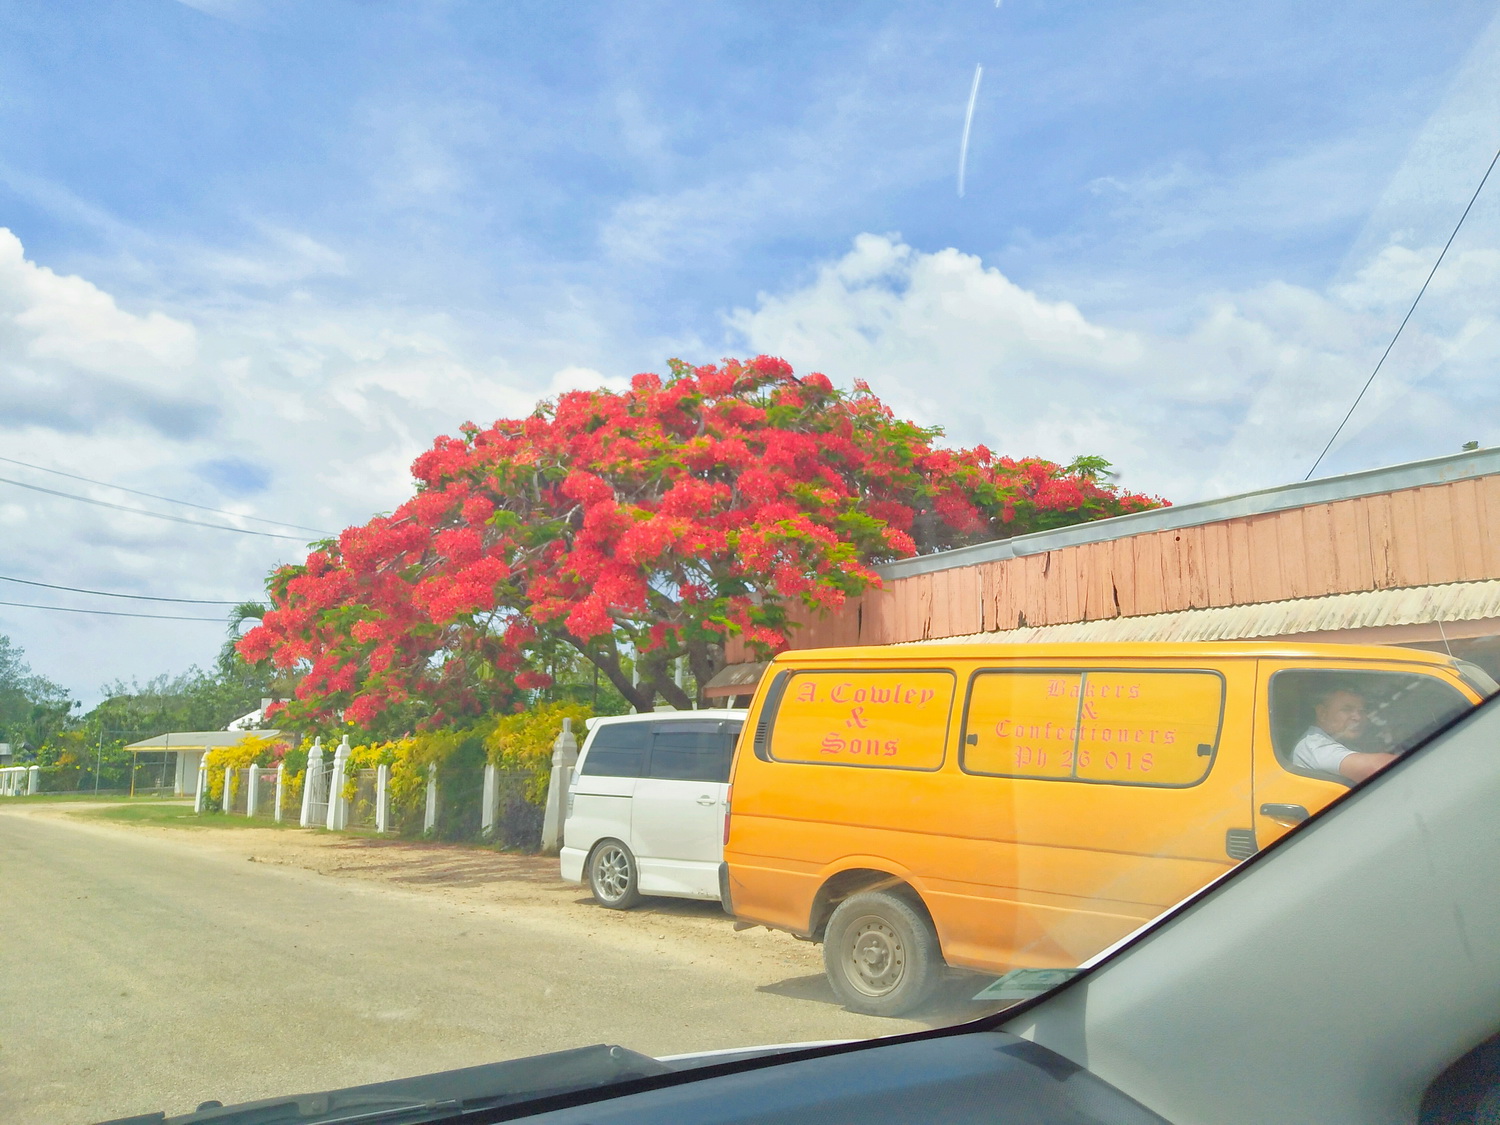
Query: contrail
(963, 147)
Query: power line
(168, 499)
(1404, 319)
(147, 512)
(111, 594)
(112, 612)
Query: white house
(190, 746)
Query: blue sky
(258, 254)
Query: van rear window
(693, 751)
(616, 750)
(1122, 727)
(885, 719)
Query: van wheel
(612, 876)
(881, 954)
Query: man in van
(1339, 719)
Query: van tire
(881, 954)
(613, 876)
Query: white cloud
(71, 358)
(327, 406)
(279, 256)
(1243, 398)
(71, 321)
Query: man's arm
(1356, 766)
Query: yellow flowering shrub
(522, 742)
(252, 750)
(367, 756)
(519, 745)
(291, 794)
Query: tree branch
(607, 660)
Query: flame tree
(637, 528)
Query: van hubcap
(612, 872)
(875, 957)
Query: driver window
(1368, 712)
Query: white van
(646, 805)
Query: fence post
(489, 807)
(429, 818)
(564, 758)
(252, 794)
(382, 797)
(310, 778)
(200, 794)
(33, 781)
(280, 787)
(228, 788)
(336, 804)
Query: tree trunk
(706, 661)
(608, 662)
(656, 670)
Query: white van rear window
(693, 751)
(616, 750)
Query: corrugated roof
(735, 679)
(198, 739)
(1420, 605)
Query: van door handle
(1296, 814)
(707, 800)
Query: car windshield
(533, 529)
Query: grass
(81, 795)
(176, 815)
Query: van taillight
(728, 797)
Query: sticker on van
(885, 719)
(1128, 727)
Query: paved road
(140, 972)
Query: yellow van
(995, 806)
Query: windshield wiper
(447, 1093)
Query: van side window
(1401, 709)
(689, 751)
(890, 719)
(1119, 727)
(617, 750)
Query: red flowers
(638, 527)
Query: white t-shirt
(1319, 750)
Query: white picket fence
(261, 791)
(19, 781)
